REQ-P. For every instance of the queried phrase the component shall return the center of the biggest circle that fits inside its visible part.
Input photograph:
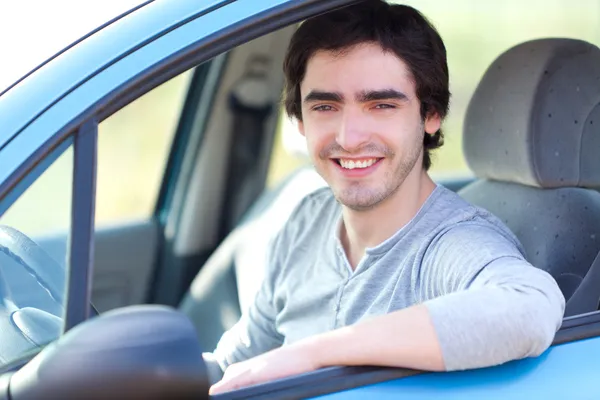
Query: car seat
(531, 137)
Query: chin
(359, 200)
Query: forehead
(364, 66)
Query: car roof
(27, 99)
(36, 37)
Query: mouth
(357, 166)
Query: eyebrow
(317, 95)
(385, 94)
(363, 97)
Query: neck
(363, 229)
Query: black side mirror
(137, 352)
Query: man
(383, 267)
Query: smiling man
(383, 267)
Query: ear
(433, 122)
(301, 127)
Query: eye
(384, 106)
(323, 107)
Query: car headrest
(534, 119)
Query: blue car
(145, 164)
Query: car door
(565, 371)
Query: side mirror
(137, 352)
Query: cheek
(318, 134)
(400, 134)
(315, 145)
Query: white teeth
(351, 164)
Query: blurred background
(135, 142)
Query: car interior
(528, 136)
(540, 167)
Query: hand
(276, 364)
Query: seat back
(531, 137)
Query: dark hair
(396, 28)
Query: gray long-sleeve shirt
(487, 303)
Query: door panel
(566, 371)
(124, 261)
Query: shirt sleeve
(255, 333)
(488, 304)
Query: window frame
(81, 238)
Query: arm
(490, 305)
(509, 312)
(481, 314)
(252, 335)
(404, 338)
(255, 333)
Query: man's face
(362, 122)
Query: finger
(226, 385)
(217, 388)
(222, 387)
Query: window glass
(34, 233)
(133, 148)
(475, 33)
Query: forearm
(468, 329)
(404, 338)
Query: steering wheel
(48, 276)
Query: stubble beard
(359, 196)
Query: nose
(353, 132)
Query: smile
(356, 163)
(357, 168)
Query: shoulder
(307, 229)
(469, 241)
(469, 228)
(318, 198)
(319, 205)
(310, 217)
